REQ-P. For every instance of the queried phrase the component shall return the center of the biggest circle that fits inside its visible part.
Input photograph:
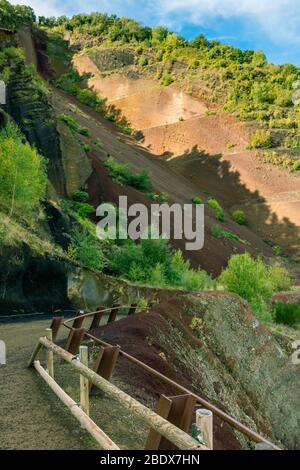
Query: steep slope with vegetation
(195, 100)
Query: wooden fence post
(132, 309)
(84, 382)
(113, 313)
(49, 355)
(204, 420)
(97, 318)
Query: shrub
(73, 84)
(164, 197)
(288, 314)
(110, 117)
(279, 278)
(239, 217)
(277, 250)
(86, 147)
(84, 131)
(126, 129)
(197, 200)
(122, 174)
(254, 281)
(86, 249)
(167, 80)
(143, 61)
(213, 203)
(83, 209)
(80, 196)
(154, 262)
(296, 165)
(73, 125)
(218, 232)
(261, 140)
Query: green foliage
(23, 176)
(277, 250)
(86, 147)
(239, 217)
(73, 125)
(143, 61)
(261, 140)
(214, 204)
(86, 249)
(74, 84)
(218, 232)
(14, 16)
(296, 165)
(153, 262)
(280, 278)
(197, 200)
(287, 314)
(83, 209)
(167, 79)
(110, 117)
(122, 174)
(126, 129)
(80, 196)
(254, 281)
(242, 82)
(275, 158)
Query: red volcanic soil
(132, 334)
(174, 123)
(213, 257)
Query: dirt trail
(33, 418)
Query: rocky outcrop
(235, 362)
(76, 166)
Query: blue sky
(270, 25)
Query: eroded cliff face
(233, 360)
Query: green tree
(22, 172)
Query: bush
(110, 117)
(218, 232)
(23, 177)
(277, 250)
(122, 174)
(279, 278)
(84, 209)
(261, 140)
(86, 249)
(288, 314)
(213, 203)
(72, 83)
(167, 80)
(197, 200)
(154, 262)
(73, 125)
(254, 281)
(80, 196)
(239, 217)
(143, 61)
(126, 129)
(296, 165)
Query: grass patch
(287, 314)
(73, 125)
(122, 174)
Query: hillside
(198, 99)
